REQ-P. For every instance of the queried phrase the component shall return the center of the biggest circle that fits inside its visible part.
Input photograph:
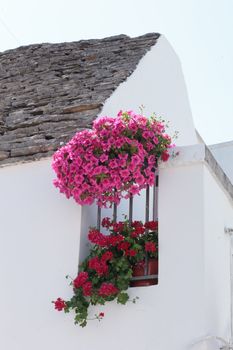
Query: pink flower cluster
(114, 160)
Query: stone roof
(50, 91)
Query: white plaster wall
(181, 220)
(223, 152)
(39, 246)
(39, 243)
(158, 84)
(171, 313)
(218, 215)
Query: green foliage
(122, 298)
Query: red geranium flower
(165, 156)
(96, 237)
(118, 227)
(87, 289)
(151, 225)
(123, 246)
(137, 224)
(107, 289)
(114, 240)
(99, 266)
(131, 252)
(107, 256)
(80, 279)
(106, 222)
(59, 304)
(150, 247)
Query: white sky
(201, 32)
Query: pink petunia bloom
(103, 158)
(134, 189)
(113, 164)
(135, 160)
(140, 180)
(155, 140)
(124, 173)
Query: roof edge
(82, 41)
(200, 153)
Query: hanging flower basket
(116, 159)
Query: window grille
(150, 207)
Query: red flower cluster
(87, 289)
(80, 279)
(106, 222)
(151, 225)
(107, 289)
(139, 230)
(59, 304)
(165, 156)
(98, 265)
(107, 256)
(131, 252)
(101, 315)
(118, 227)
(137, 224)
(123, 246)
(96, 237)
(150, 247)
(114, 240)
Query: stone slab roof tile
(50, 91)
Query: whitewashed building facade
(47, 95)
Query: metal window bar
(114, 212)
(155, 198)
(115, 209)
(98, 217)
(130, 209)
(147, 217)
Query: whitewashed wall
(157, 84)
(223, 152)
(39, 243)
(39, 246)
(218, 215)
(41, 231)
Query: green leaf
(83, 324)
(122, 298)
